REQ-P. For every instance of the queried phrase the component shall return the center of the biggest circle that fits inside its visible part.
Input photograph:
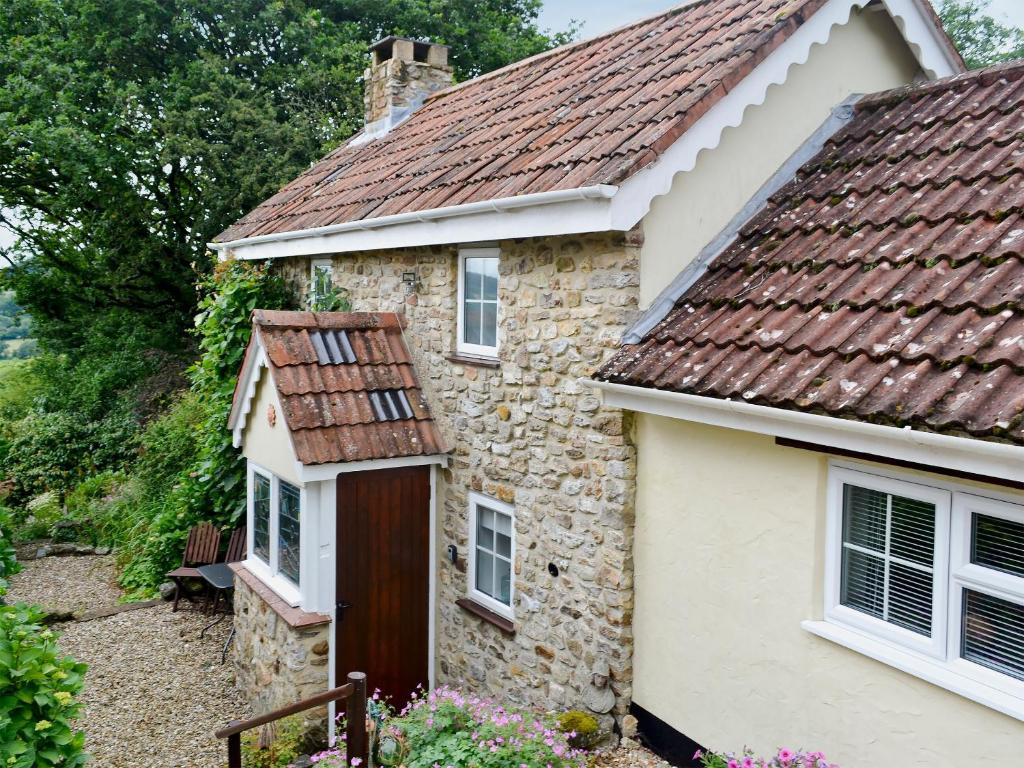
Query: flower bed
(784, 758)
(446, 727)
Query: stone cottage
(496, 239)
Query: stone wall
(527, 433)
(267, 649)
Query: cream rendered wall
(269, 446)
(866, 55)
(729, 548)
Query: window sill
(937, 673)
(471, 606)
(294, 617)
(478, 361)
(285, 590)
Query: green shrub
(38, 517)
(37, 694)
(8, 561)
(581, 728)
(276, 748)
(212, 486)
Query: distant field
(13, 347)
(15, 390)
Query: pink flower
(732, 764)
(697, 754)
(785, 755)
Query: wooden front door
(383, 578)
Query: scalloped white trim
(607, 208)
(251, 375)
(636, 195)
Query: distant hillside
(15, 330)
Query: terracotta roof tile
(585, 114)
(347, 386)
(884, 283)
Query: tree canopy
(132, 131)
(981, 39)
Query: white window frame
(835, 611)
(477, 500)
(314, 265)
(461, 346)
(928, 658)
(269, 572)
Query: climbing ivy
(213, 486)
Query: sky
(601, 15)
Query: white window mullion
(274, 501)
(887, 561)
(975, 646)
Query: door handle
(341, 607)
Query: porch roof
(346, 383)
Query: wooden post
(235, 750)
(355, 712)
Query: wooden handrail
(355, 741)
(237, 726)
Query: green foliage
(448, 727)
(213, 487)
(8, 561)
(37, 690)
(135, 130)
(285, 745)
(980, 39)
(81, 412)
(581, 728)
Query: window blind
(993, 633)
(888, 557)
(998, 543)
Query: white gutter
(979, 457)
(501, 205)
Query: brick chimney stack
(401, 75)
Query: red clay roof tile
(884, 283)
(328, 368)
(585, 114)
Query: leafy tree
(981, 39)
(133, 131)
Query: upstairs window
(478, 302)
(934, 571)
(321, 284)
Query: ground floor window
(275, 521)
(935, 570)
(492, 543)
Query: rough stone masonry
(528, 433)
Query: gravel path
(628, 755)
(154, 691)
(67, 583)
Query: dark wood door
(383, 577)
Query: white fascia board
(316, 472)
(560, 212)
(979, 457)
(600, 208)
(636, 194)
